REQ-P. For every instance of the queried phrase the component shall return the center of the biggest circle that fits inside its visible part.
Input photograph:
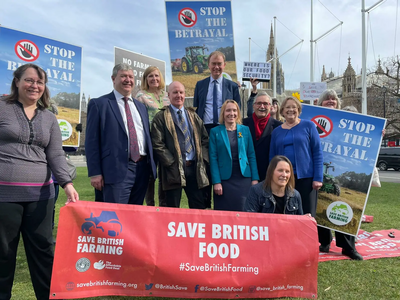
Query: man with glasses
(261, 126)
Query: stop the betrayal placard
(115, 249)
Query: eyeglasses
(262, 103)
(31, 82)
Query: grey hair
(326, 95)
(350, 108)
(123, 67)
(262, 93)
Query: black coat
(262, 146)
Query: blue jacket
(307, 145)
(221, 157)
(230, 90)
(107, 140)
(262, 200)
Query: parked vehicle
(389, 157)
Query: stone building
(280, 76)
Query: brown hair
(223, 108)
(278, 114)
(298, 104)
(216, 53)
(144, 85)
(44, 101)
(270, 172)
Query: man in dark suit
(180, 143)
(211, 93)
(261, 126)
(118, 146)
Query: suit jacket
(221, 156)
(262, 146)
(230, 90)
(106, 143)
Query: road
(389, 176)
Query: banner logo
(27, 50)
(99, 265)
(82, 265)
(324, 125)
(148, 286)
(339, 213)
(187, 17)
(70, 286)
(107, 222)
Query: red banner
(377, 244)
(115, 249)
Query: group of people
(271, 162)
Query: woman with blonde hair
(298, 140)
(154, 97)
(232, 159)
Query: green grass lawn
(373, 279)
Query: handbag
(71, 168)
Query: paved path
(389, 176)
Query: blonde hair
(223, 108)
(298, 104)
(144, 85)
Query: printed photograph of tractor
(195, 59)
(329, 184)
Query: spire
(379, 69)
(349, 70)
(323, 76)
(331, 74)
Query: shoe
(353, 254)
(324, 249)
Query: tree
(384, 93)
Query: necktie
(133, 142)
(182, 123)
(215, 103)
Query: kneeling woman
(276, 194)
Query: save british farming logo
(107, 222)
(99, 234)
(339, 213)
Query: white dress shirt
(137, 120)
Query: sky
(140, 26)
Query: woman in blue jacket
(299, 141)
(232, 160)
(276, 194)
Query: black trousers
(194, 194)
(309, 196)
(150, 191)
(33, 220)
(208, 189)
(344, 241)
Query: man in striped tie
(180, 143)
(118, 146)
